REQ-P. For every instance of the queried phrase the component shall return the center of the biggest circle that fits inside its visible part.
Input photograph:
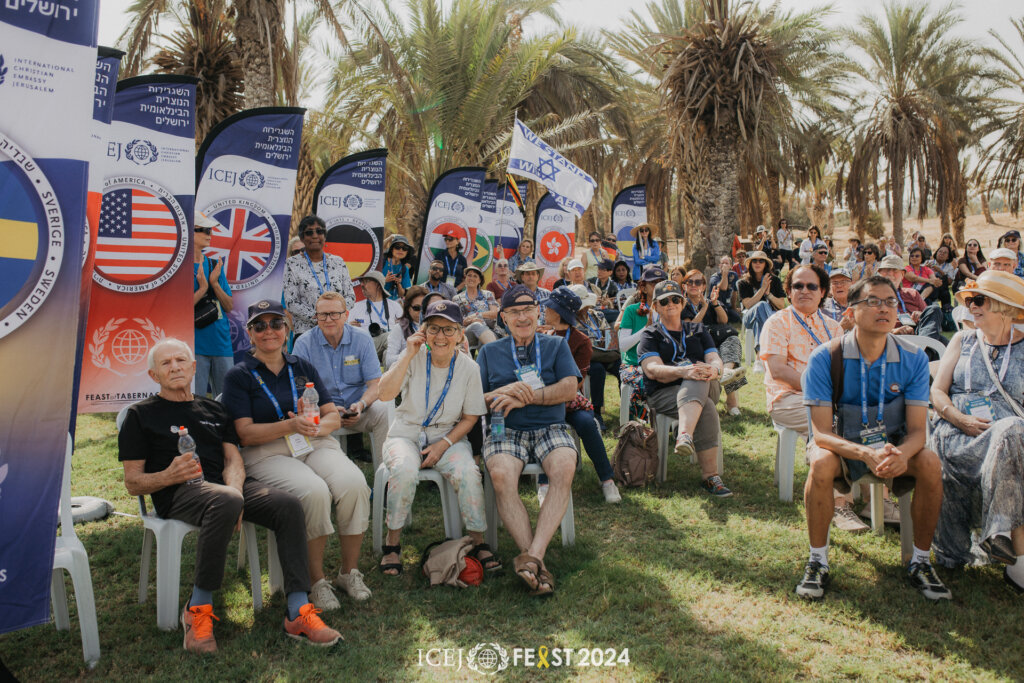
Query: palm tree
(1003, 160)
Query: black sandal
(492, 568)
(397, 566)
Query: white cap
(1002, 252)
(575, 263)
(587, 297)
(761, 228)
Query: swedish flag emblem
(19, 234)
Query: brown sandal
(545, 583)
(528, 568)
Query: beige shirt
(465, 397)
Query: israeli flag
(531, 157)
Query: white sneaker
(323, 597)
(734, 411)
(352, 583)
(611, 492)
(758, 366)
(542, 493)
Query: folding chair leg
(253, 551)
(81, 579)
(59, 601)
(906, 529)
(877, 510)
(148, 537)
(168, 583)
(275, 574)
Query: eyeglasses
(976, 300)
(695, 283)
(671, 300)
(809, 286)
(876, 302)
(973, 244)
(1011, 239)
(416, 307)
(521, 311)
(205, 231)
(447, 330)
(501, 265)
(262, 325)
(596, 239)
(313, 231)
(333, 315)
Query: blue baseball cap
(444, 309)
(514, 293)
(263, 307)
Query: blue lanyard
(810, 331)
(596, 329)
(382, 314)
(327, 278)
(675, 347)
(432, 289)
(536, 347)
(449, 266)
(903, 308)
(273, 399)
(444, 392)
(864, 392)
(568, 331)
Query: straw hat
(1004, 287)
(634, 231)
(751, 255)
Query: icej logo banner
(141, 277)
(629, 209)
(246, 169)
(350, 199)
(47, 69)
(511, 221)
(556, 233)
(454, 209)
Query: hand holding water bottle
(311, 406)
(187, 447)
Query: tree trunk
(774, 200)
(958, 211)
(259, 26)
(305, 183)
(717, 206)
(985, 208)
(897, 200)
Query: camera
(375, 330)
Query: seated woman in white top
(412, 305)
(442, 398)
(376, 313)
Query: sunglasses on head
(976, 300)
(205, 231)
(262, 325)
(809, 286)
(313, 231)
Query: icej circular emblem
(32, 236)
(141, 241)
(355, 242)
(246, 239)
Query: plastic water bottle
(497, 425)
(186, 444)
(310, 404)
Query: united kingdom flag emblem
(246, 239)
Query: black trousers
(214, 508)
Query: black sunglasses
(976, 300)
(671, 300)
(695, 283)
(262, 325)
(809, 286)
(205, 231)
(449, 238)
(313, 231)
(416, 307)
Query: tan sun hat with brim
(634, 231)
(751, 255)
(1003, 287)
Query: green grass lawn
(695, 588)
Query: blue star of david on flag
(531, 157)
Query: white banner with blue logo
(454, 209)
(629, 209)
(556, 238)
(246, 171)
(47, 69)
(530, 157)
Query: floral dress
(982, 476)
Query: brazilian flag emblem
(19, 236)
(482, 256)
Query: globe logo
(458, 206)
(487, 658)
(129, 347)
(353, 202)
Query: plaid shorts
(530, 446)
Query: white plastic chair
(878, 514)
(69, 555)
(341, 432)
(666, 427)
(749, 354)
(924, 343)
(248, 550)
(449, 504)
(491, 506)
(625, 394)
(785, 461)
(623, 295)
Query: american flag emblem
(138, 236)
(244, 239)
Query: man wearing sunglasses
(311, 273)
(1011, 240)
(819, 257)
(211, 292)
(875, 422)
(435, 281)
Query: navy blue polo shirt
(244, 397)
(498, 369)
(654, 344)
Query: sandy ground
(976, 228)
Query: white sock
(921, 556)
(1016, 571)
(820, 555)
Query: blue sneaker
(715, 487)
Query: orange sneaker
(198, 625)
(310, 628)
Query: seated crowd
(828, 338)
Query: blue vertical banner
(629, 209)
(454, 207)
(555, 232)
(142, 275)
(350, 199)
(47, 70)
(246, 171)
(511, 221)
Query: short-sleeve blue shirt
(498, 369)
(244, 397)
(215, 338)
(346, 369)
(906, 374)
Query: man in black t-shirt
(218, 502)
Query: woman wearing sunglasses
(454, 261)
(594, 255)
(978, 431)
(645, 249)
(710, 312)
(211, 299)
(313, 272)
(408, 323)
(970, 265)
(397, 271)
(289, 445)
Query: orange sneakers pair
(197, 623)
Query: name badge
(298, 445)
(351, 360)
(450, 280)
(874, 437)
(980, 408)
(530, 375)
(906, 319)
